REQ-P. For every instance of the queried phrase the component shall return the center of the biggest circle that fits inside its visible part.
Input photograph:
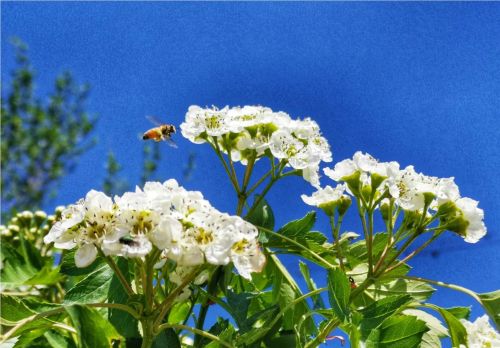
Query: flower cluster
(165, 217)
(256, 131)
(374, 181)
(480, 334)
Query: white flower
(85, 225)
(247, 257)
(325, 196)
(341, 169)
(480, 334)
(409, 188)
(475, 229)
(311, 175)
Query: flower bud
(366, 192)
(343, 204)
(353, 182)
(376, 180)
(27, 215)
(385, 209)
(13, 228)
(40, 217)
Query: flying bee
(160, 132)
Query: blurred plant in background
(41, 140)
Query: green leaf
(491, 303)
(375, 313)
(167, 338)
(179, 312)
(93, 330)
(14, 310)
(457, 331)
(430, 340)
(300, 226)
(56, 340)
(311, 286)
(431, 321)
(239, 304)
(93, 288)
(460, 312)
(286, 296)
(397, 332)
(15, 269)
(339, 291)
(262, 215)
(46, 276)
(420, 291)
(222, 329)
(126, 325)
(68, 265)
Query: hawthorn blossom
(480, 334)
(180, 224)
(256, 131)
(475, 229)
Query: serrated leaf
(93, 288)
(457, 331)
(300, 226)
(460, 312)
(167, 338)
(339, 290)
(377, 312)
(15, 269)
(397, 332)
(420, 291)
(491, 303)
(262, 215)
(286, 296)
(126, 325)
(46, 276)
(431, 321)
(68, 265)
(93, 330)
(311, 285)
(179, 312)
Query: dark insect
(127, 241)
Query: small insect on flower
(160, 132)
(128, 241)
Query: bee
(160, 132)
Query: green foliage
(93, 331)
(397, 332)
(41, 141)
(339, 291)
(114, 184)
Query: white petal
(85, 255)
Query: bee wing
(153, 120)
(170, 142)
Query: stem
(370, 237)
(415, 252)
(211, 289)
(195, 331)
(148, 333)
(362, 216)
(260, 181)
(216, 148)
(335, 233)
(410, 240)
(332, 324)
(118, 273)
(166, 304)
(317, 256)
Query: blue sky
(418, 83)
